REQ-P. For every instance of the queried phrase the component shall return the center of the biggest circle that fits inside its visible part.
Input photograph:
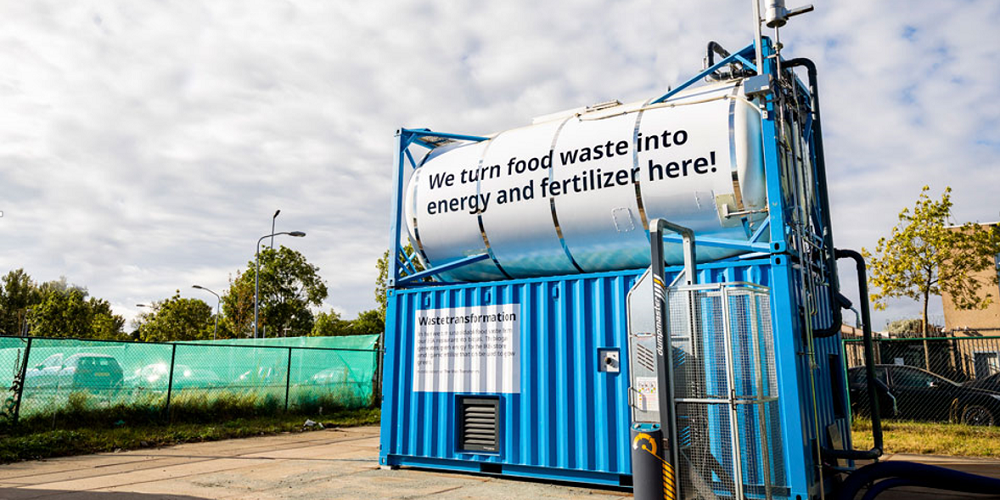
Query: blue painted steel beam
(747, 64)
(428, 133)
(760, 231)
(407, 263)
(409, 157)
(409, 260)
(772, 162)
(697, 78)
(444, 267)
(402, 137)
(705, 241)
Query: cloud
(145, 144)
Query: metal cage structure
(567, 416)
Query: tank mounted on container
(571, 194)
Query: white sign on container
(468, 349)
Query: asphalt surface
(329, 464)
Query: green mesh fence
(45, 377)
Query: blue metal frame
(404, 139)
(739, 56)
(777, 266)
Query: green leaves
(924, 256)
(330, 324)
(289, 287)
(382, 280)
(54, 309)
(176, 318)
(290, 290)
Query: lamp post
(256, 274)
(217, 304)
(27, 314)
(138, 331)
(275, 217)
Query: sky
(145, 145)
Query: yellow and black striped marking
(669, 489)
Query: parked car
(262, 376)
(332, 377)
(157, 375)
(990, 383)
(908, 392)
(92, 372)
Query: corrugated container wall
(570, 419)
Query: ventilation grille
(645, 357)
(479, 428)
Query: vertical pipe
(288, 378)
(869, 352)
(757, 37)
(170, 379)
(20, 388)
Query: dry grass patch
(930, 438)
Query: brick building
(976, 322)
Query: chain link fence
(944, 379)
(50, 380)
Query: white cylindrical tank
(574, 193)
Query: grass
(930, 438)
(26, 444)
(66, 410)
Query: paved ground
(979, 466)
(329, 464)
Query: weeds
(64, 442)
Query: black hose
(876, 415)
(880, 487)
(824, 199)
(715, 48)
(915, 474)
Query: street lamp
(256, 274)
(276, 212)
(27, 314)
(217, 304)
(138, 330)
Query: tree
(176, 318)
(54, 309)
(104, 323)
(924, 257)
(17, 293)
(289, 287)
(382, 281)
(909, 328)
(237, 307)
(330, 325)
(60, 314)
(64, 310)
(368, 323)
